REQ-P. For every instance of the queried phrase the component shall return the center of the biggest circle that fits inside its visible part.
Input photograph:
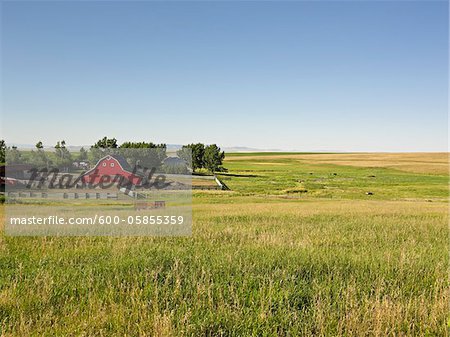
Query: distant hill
(247, 149)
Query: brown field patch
(424, 162)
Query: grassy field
(296, 248)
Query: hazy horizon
(229, 149)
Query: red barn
(111, 168)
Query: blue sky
(346, 76)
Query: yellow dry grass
(424, 162)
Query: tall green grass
(260, 262)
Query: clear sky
(346, 76)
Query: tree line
(196, 156)
(208, 157)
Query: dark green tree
(83, 155)
(106, 143)
(193, 155)
(39, 158)
(63, 156)
(213, 158)
(102, 148)
(13, 155)
(148, 155)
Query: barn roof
(122, 161)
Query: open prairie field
(427, 163)
(298, 247)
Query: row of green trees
(209, 157)
(197, 156)
(61, 157)
(142, 153)
(145, 154)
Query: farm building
(110, 168)
(80, 164)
